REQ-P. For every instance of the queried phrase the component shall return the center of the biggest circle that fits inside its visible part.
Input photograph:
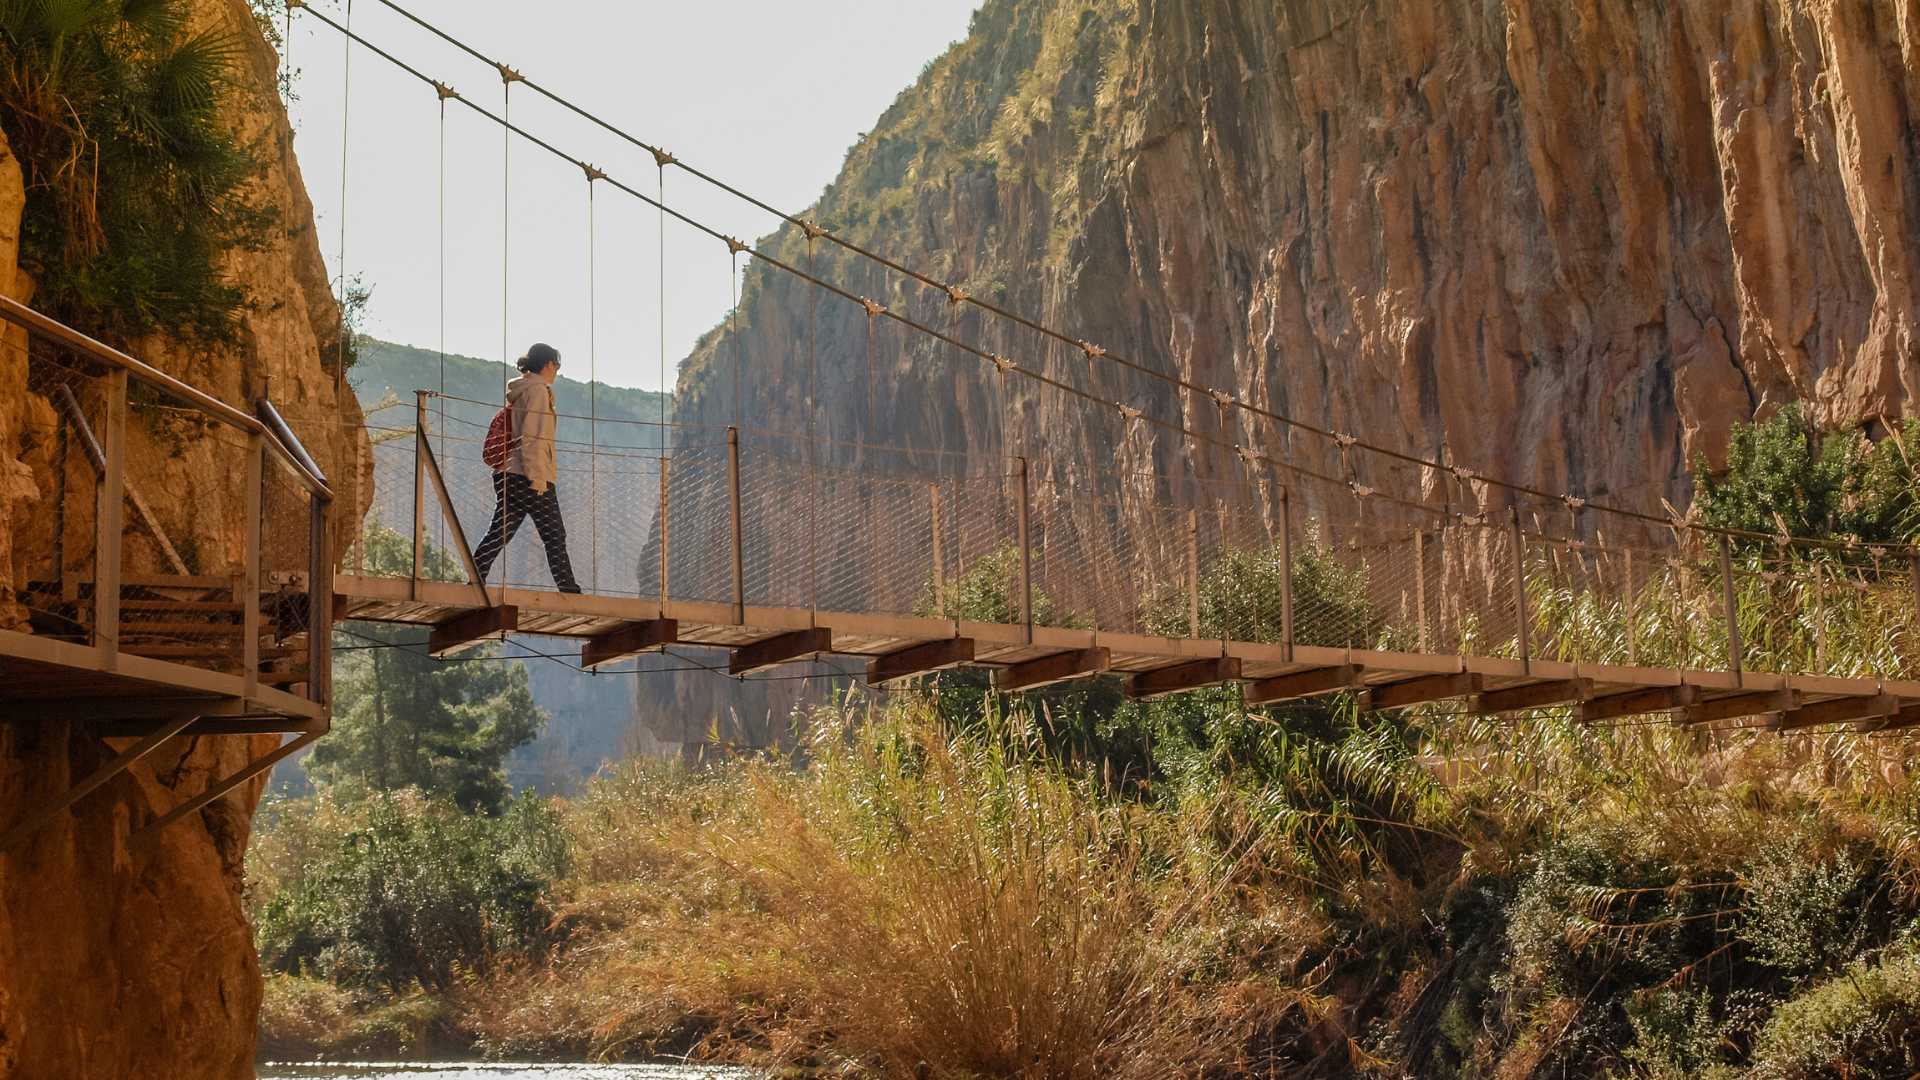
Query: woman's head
(542, 360)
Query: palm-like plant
(137, 182)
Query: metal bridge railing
(753, 519)
(170, 525)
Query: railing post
(1913, 580)
(666, 519)
(1633, 615)
(1193, 573)
(1286, 573)
(420, 491)
(1026, 553)
(939, 570)
(319, 602)
(109, 519)
(1420, 584)
(250, 566)
(739, 549)
(1731, 605)
(1523, 631)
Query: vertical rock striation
(123, 961)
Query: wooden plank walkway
(1154, 665)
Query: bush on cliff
(139, 182)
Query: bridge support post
(1521, 630)
(1193, 573)
(939, 571)
(1731, 605)
(1420, 584)
(319, 602)
(109, 518)
(1286, 573)
(250, 567)
(665, 520)
(1026, 553)
(739, 552)
(420, 490)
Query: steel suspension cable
(1094, 352)
(957, 296)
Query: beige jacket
(533, 431)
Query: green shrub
(138, 185)
(416, 892)
(1864, 1022)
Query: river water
(496, 1071)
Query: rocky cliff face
(1609, 229)
(123, 961)
(1568, 243)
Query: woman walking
(525, 483)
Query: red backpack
(499, 440)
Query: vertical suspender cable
(733, 318)
(665, 391)
(346, 114)
(813, 474)
(441, 206)
(507, 78)
(593, 401)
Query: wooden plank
(1046, 670)
(468, 627)
(629, 639)
(35, 820)
(1638, 702)
(1840, 710)
(1427, 688)
(919, 659)
(780, 649)
(1748, 704)
(1534, 695)
(1304, 684)
(1191, 675)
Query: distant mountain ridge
(388, 372)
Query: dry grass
(906, 904)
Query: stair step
(201, 652)
(128, 629)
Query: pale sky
(765, 94)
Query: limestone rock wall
(136, 961)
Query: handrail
(34, 322)
(277, 424)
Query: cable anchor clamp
(441, 88)
(813, 231)
(592, 172)
(1574, 503)
(875, 308)
(295, 5)
(1005, 365)
(1362, 490)
(1129, 413)
(1094, 352)
(1344, 440)
(1248, 454)
(662, 158)
(1223, 399)
(954, 294)
(734, 247)
(508, 75)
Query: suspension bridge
(1400, 580)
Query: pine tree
(403, 719)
